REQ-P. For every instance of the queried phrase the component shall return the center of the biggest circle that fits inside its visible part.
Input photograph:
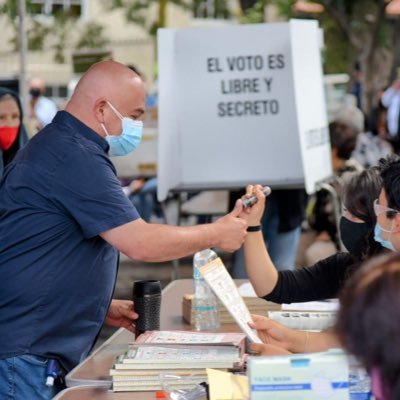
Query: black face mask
(34, 92)
(353, 235)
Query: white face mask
(130, 137)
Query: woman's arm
(260, 269)
(320, 281)
(275, 335)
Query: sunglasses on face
(379, 209)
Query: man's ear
(98, 109)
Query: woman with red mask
(12, 132)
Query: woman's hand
(262, 349)
(254, 213)
(278, 336)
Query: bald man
(42, 109)
(63, 219)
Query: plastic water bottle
(359, 381)
(204, 300)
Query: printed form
(217, 276)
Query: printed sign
(240, 105)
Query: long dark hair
(22, 137)
(368, 321)
(358, 197)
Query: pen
(52, 372)
(253, 199)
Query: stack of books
(176, 358)
(255, 305)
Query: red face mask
(8, 134)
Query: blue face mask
(378, 238)
(130, 137)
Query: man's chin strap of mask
(130, 137)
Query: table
(98, 393)
(94, 370)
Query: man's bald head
(107, 81)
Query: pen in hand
(253, 199)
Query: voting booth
(241, 104)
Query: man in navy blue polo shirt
(63, 219)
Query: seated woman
(324, 279)
(367, 330)
(320, 281)
(12, 132)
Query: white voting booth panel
(240, 105)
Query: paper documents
(225, 289)
(327, 305)
(225, 385)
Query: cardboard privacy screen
(241, 104)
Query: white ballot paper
(225, 289)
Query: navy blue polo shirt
(57, 275)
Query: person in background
(143, 191)
(63, 221)
(368, 323)
(357, 89)
(281, 228)
(42, 109)
(12, 131)
(322, 218)
(143, 194)
(391, 100)
(372, 143)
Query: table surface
(98, 393)
(95, 369)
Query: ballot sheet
(217, 276)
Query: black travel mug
(146, 296)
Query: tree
(369, 35)
(137, 11)
(359, 25)
(54, 31)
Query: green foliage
(337, 52)
(92, 37)
(37, 34)
(137, 12)
(220, 9)
(52, 30)
(255, 13)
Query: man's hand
(277, 335)
(121, 314)
(231, 229)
